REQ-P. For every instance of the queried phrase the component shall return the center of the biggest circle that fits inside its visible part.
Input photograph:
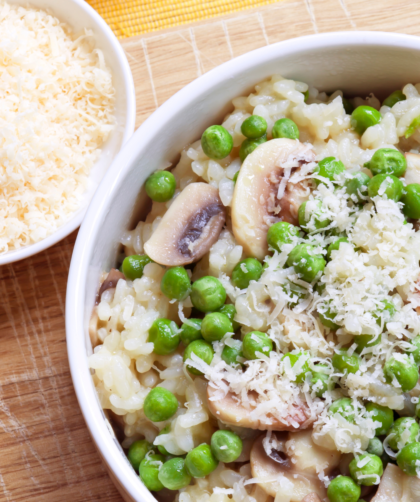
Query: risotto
(261, 338)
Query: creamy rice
(125, 366)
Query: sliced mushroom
(259, 494)
(189, 228)
(312, 497)
(230, 411)
(395, 486)
(255, 203)
(110, 282)
(412, 174)
(292, 473)
(93, 327)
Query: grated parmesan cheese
(57, 101)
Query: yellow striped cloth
(134, 17)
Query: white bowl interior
(79, 15)
(357, 63)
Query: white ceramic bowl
(79, 15)
(356, 62)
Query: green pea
(315, 219)
(335, 246)
(348, 107)
(306, 262)
(249, 145)
(149, 472)
(217, 143)
(343, 489)
(160, 186)
(226, 446)
(215, 326)
(415, 124)
(408, 459)
(230, 310)
(306, 95)
(387, 161)
(398, 436)
(137, 452)
(162, 449)
(415, 344)
(329, 168)
(191, 331)
(358, 186)
(372, 469)
(176, 284)
(364, 117)
(201, 349)
(235, 177)
(200, 461)
(403, 370)
(411, 201)
(285, 128)
(133, 266)
(320, 288)
(254, 127)
(208, 294)
(320, 383)
(388, 185)
(384, 313)
(246, 271)
(256, 341)
(327, 317)
(281, 233)
(231, 354)
(366, 341)
(174, 474)
(160, 404)
(344, 363)
(417, 410)
(394, 98)
(380, 414)
(295, 292)
(375, 447)
(164, 335)
(303, 358)
(343, 407)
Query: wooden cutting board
(46, 453)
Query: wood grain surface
(46, 453)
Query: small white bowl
(79, 15)
(356, 62)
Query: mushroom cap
(277, 475)
(255, 203)
(189, 227)
(229, 411)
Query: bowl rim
(112, 181)
(67, 228)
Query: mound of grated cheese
(56, 110)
